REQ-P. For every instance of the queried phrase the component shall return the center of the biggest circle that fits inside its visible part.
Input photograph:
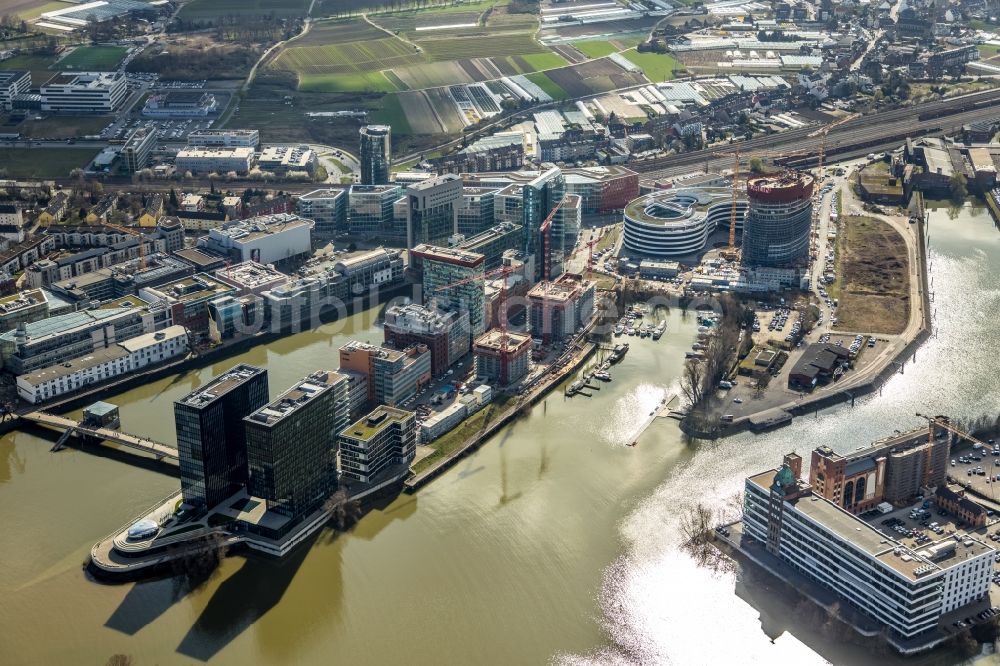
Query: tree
(174, 203)
(692, 382)
(958, 186)
(756, 165)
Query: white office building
(218, 160)
(84, 92)
(906, 588)
(266, 239)
(13, 83)
(103, 364)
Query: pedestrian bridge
(72, 427)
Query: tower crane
(822, 132)
(502, 272)
(944, 423)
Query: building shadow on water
(784, 610)
(148, 600)
(242, 599)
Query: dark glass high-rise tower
(292, 445)
(375, 154)
(211, 444)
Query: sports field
(92, 59)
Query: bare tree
(120, 660)
(692, 382)
(343, 511)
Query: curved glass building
(778, 221)
(678, 222)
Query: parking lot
(923, 523)
(978, 470)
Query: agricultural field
(595, 76)
(595, 48)
(207, 10)
(656, 66)
(92, 59)
(354, 54)
(43, 162)
(551, 88)
(392, 113)
(29, 9)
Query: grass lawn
(63, 127)
(355, 82)
(550, 87)
(595, 48)
(93, 59)
(656, 66)
(392, 113)
(44, 162)
(458, 436)
(544, 60)
(36, 64)
(987, 50)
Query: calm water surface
(556, 542)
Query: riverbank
(852, 387)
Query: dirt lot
(873, 277)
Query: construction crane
(502, 272)
(590, 257)
(133, 231)
(822, 132)
(942, 422)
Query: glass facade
(370, 210)
(292, 445)
(376, 154)
(211, 442)
(540, 196)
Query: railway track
(897, 124)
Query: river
(555, 542)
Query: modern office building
(235, 138)
(180, 104)
(379, 267)
(905, 588)
(292, 447)
(102, 365)
(893, 469)
(39, 344)
(539, 197)
(188, 298)
(680, 221)
(394, 376)
(376, 154)
(214, 160)
(453, 280)
(560, 308)
(493, 242)
(370, 210)
(445, 334)
(373, 445)
(432, 210)
(13, 83)
(266, 239)
(84, 92)
(123, 279)
(493, 366)
(475, 212)
(285, 159)
(778, 220)
(328, 209)
(23, 307)
(211, 436)
(138, 148)
(602, 189)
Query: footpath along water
(554, 542)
